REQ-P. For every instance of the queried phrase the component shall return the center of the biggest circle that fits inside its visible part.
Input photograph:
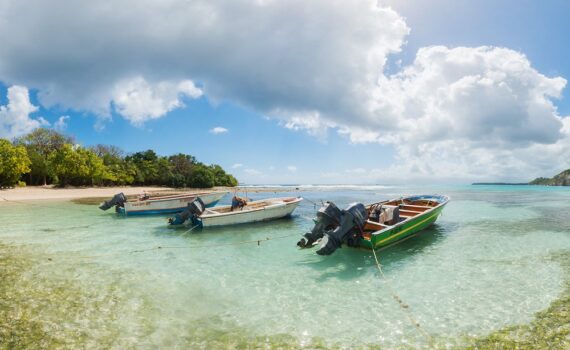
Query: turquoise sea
(73, 276)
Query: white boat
(261, 210)
(159, 205)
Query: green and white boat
(375, 226)
(415, 214)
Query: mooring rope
(201, 246)
(257, 241)
(315, 205)
(405, 308)
(191, 228)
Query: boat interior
(150, 197)
(248, 206)
(377, 220)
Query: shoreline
(35, 193)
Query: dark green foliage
(202, 177)
(177, 180)
(51, 157)
(221, 178)
(182, 167)
(562, 179)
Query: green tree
(96, 170)
(221, 178)
(68, 166)
(182, 166)
(147, 167)
(14, 162)
(164, 171)
(40, 144)
(202, 177)
(74, 165)
(119, 171)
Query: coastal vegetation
(562, 179)
(46, 156)
(14, 162)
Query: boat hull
(245, 216)
(406, 229)
(167, 205)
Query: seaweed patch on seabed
(56, 312)
(49, 312)
(550, 328)
(39, 311)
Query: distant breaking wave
(324, 187)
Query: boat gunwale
(409, 220)
(296, 201)
(165, 198)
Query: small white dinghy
(159, 204)
(254, 211)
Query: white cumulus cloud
(465, 93)
(292, 168)
(61, 123)
(469, 112)
(139, 101)
(15, 116)
(218, 130)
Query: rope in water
(257, 241)
(314, 204)
(405, 308)
(202, 246)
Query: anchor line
(401, 304)
(315, 205)
(201, 246)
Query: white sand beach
(54, 193)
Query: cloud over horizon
(313, 66)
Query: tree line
(46, 156)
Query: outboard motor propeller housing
(193, 211)
(118, 200)
(328, 217)
(353, 218)
(334, 227)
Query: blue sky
(468, 91)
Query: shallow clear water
(92, 278)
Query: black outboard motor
(118, 200)
(194, 210)
(353, 218)
(334, 227)
(328, 217)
